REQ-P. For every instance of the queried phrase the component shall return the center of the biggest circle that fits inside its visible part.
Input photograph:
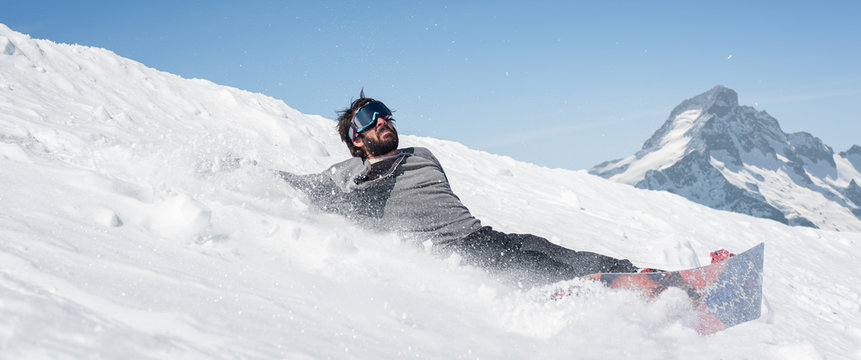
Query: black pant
(531, 259)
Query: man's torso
(408, 193)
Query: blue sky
(558, 83)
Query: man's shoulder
(352, 165)
(419, 151)
(344, 172)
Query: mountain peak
(688, 118)
(719, 101)
(854, 150)
(854, 156)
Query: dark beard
(379, 148)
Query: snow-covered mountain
(718, 153)
(134, 224)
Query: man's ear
(357, 142)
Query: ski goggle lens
(366, 117)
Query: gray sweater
(407, 193)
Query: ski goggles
(366, 117)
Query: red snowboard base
(724, 294)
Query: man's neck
(376, 159)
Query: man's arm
(310, 184)
(326, 195)
(319, 187)
(322, 192)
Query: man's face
(380, 140)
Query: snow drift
(140, 220)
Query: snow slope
(140, 220)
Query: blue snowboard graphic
(724, 294)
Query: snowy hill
(135, 224)
(717, 153)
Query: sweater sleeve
(321, 191)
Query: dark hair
(345, 118)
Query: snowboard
(724, 294)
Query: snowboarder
(406, 191)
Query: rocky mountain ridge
(728, 156)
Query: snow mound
(8, 48)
